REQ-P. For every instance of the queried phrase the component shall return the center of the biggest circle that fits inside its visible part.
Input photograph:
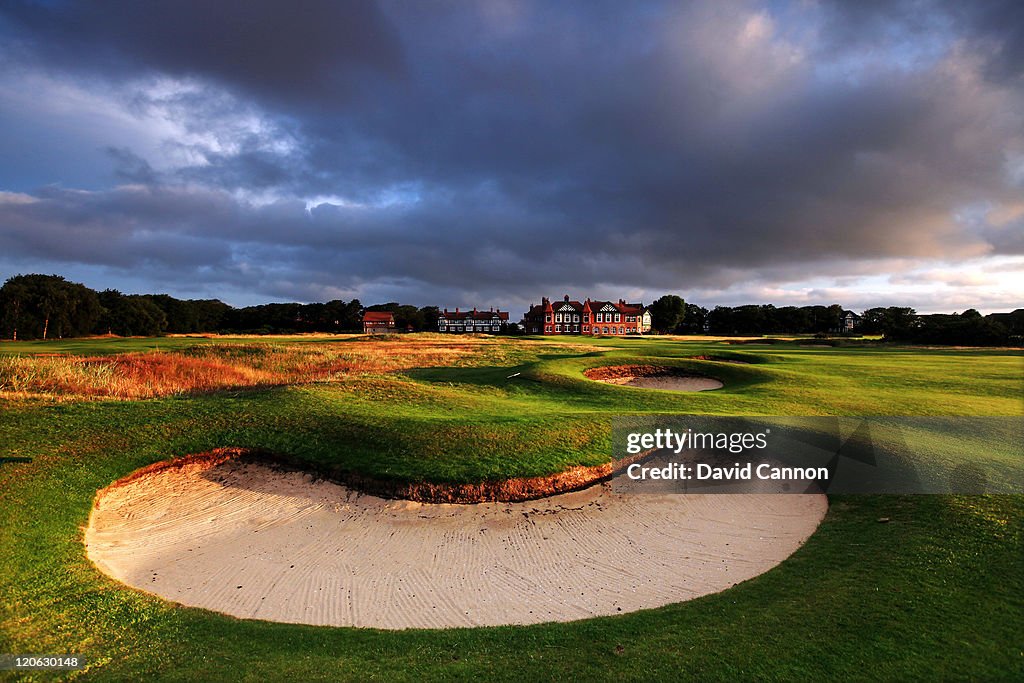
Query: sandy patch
(652, 377)
(257, 542)
(668, 383)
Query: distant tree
(341, 315)
(720, 320)
(409, 317)
(668, 313)
(429, 315)
(14, 300)
(1014, 322)
(792, 319)
(693, 320)
(969, 330)
(894, 322)
(749, 319)
(130, 315)
(48, 305)
(834, 317)
(352, 318)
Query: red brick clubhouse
(588, 317)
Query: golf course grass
(934, 592)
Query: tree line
(48, 306)
(671, 314)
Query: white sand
(256, 542)
(667, 383)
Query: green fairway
(935, 593)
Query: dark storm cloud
(511, 148)
(994, 28)
(306, 50)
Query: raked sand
(667, 383)
(261, 543)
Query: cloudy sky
(461, 153)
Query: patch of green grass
(936, 593)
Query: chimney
(456, 310)
(567, 298)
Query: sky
(489, 153)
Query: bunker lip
(661, 377)
(516, 489)
(259, 542)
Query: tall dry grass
(215, 367)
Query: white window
(618, 318)
(558, 328)
(547, 328)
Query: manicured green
(935, 593)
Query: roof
(619, 306)
(473, 315)
(378, 317)
(547, 306)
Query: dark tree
(792, 319)
(130, 315)
(668, 313)
(43, 306)
(894, 322)
(14, 301)
(429, 315)
(694, 320)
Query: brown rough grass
(214, 367)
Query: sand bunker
(652, 377)
(258, 542)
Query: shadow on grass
(491, 376)
(495, 376)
